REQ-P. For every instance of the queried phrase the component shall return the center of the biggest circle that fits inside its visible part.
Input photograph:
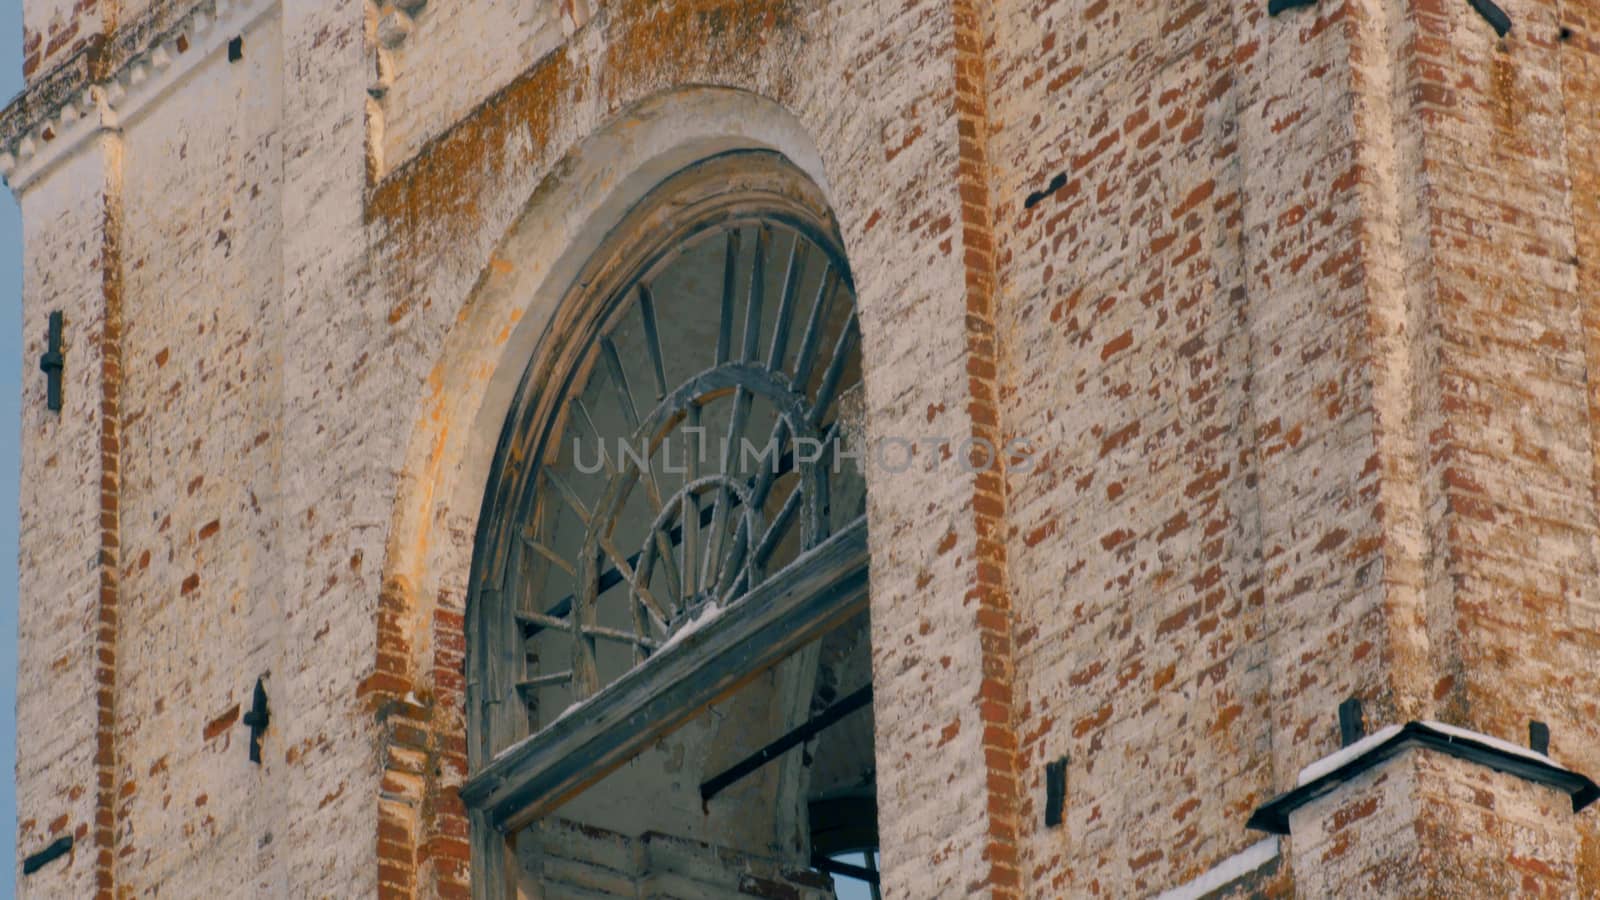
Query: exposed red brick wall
(1501, 228)
(1305, 340)
(1193, 551)
(108, 789)
(1579, 47)
(989, 595)
(422, 827)
(1427, 824)
(55, 30)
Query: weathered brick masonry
(1297, 315)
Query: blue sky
(11, 367)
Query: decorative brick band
(105, 673)
(989, 588)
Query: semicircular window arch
(678, 445)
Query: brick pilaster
(105, 673)
(988, 594)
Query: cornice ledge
(109, 82)
(1326, 775)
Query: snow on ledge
(1226, 872)
(1338, 760)
(1503, 746)
(1343, 757)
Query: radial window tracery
(689, 449)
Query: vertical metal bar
(813, 334)
(730, 275)
(835, 371)
(652, 339)
(791, 285)
(757, 295)
(689, 510)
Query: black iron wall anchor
(1351, 726)
(1055, 792)
(1539, 737)
(52, 363)
(1494, 15)
(256, 719)
(56, 849)
(1035, 198)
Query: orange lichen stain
(671, 42)
(435, 403)
(500, 265)
(436, 455)
(436, 192)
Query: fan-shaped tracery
(689, 449)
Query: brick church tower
(809, 448)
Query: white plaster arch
(510, 309)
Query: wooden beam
(811, 596)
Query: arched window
(674, 506)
